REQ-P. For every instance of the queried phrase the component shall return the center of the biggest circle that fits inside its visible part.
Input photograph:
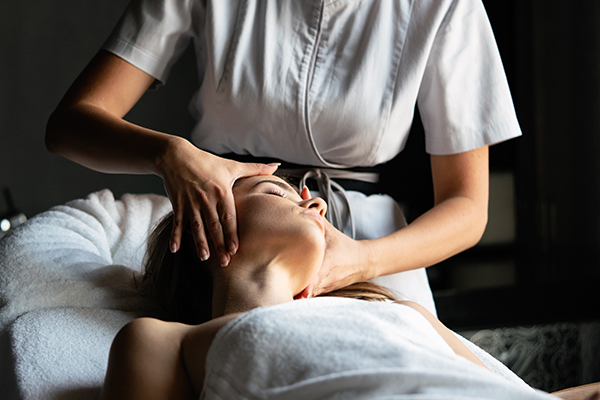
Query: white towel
(59, 353)
(66, 288)
(333, 348)
(81, 254)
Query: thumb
(251, 169)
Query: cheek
(270, 226)
(258, 220)
(306, 260)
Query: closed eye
(276, 188)
(276, 192)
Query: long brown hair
(179, 283)
(182, 285)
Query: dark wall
(566, 139)
(557, 76)
(44, 44)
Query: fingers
(229, 223)
(251, 169)
(222, 224)
(305, 193)
(202, 198)
(177, 231)
(202, 223)
(310, 291)
(222, 228)
(213, 216)
(197, 228)
(268, 169)
(304, 294)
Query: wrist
(169, 148)
(366, 269)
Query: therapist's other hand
(344, 263)
(199, 185)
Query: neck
(237, 290)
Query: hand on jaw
(345, 262)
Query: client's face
(275, 222)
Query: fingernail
(232, 249)
(275, 164)
(223, 261)
(203, 255)
(173, 248)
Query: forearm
(93, 137)
(449, 228)
(88, 128)
(454, 224)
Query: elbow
(54, 127)
(50, 138)
(478, 227)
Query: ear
(304, 294)
(305, 193)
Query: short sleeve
(152, 34)
(464, 98)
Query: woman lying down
(240, 335)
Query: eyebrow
(281, 184)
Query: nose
(317, 203)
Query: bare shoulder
(140, 325)
(457, 346)
(148, 325)
(415, 306)
(144, 362)
(196, 343)
(436, 323)
(149, 331)
(154, 359)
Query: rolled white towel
(80, 254)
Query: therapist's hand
(344, 263)
(199, 185)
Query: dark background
(539, 259)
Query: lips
(314, 214)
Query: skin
(454, 224)
(153, 359)
(88, 128)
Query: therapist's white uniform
(332, 84)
